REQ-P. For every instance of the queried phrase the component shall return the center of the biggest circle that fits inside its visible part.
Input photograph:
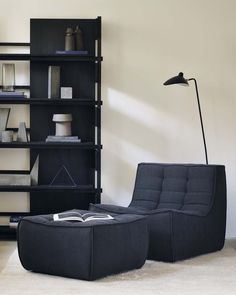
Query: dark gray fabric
(185, 206)
(83, 250)
(117, 209)
(182, 187)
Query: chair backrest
(186, 187)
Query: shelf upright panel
(98, 107)
(6, 232)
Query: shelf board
(14, 213)
(15, 56)
(15, 130)
(7, 233)
(48, 145)
(48, 57)
(19, 86)
(46, 101)
(15, 44)
(48, 188)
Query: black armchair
(185, 205)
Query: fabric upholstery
(185, 205)
(83, 250)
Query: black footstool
(82, 250)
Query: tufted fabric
(180, 187)
(185, 205)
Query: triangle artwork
(63, 177)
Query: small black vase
(79, 43)
(69, 40)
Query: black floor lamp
(182, 81)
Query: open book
(76, 216)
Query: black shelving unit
(43, 101)
(49, 57)
(49, 188)
(83, 160)
(48, 145)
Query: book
(74, 215)
(52, 138)
(72, 52)
(54, 81)
(12, 94)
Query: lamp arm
(200, 115)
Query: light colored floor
(6, 250)
(230, 243)
(212, 274)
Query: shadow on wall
(140, 120)
(132, 133)
(118, 178)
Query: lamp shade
(177, 80)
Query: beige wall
(144, 43)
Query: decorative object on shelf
(12, 95)
(14, 220)
(22, 133)
(35, 172)
(66, 92)
(8, 77)
(53, 82)
(4, 116)
(74, 39)
(63, 124)
(79, 42)
(63, 177)
(7, 136)
(21, 179)
(51, 138)
(183, 81)
(69, 39)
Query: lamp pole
(179, 79)
(200, 115)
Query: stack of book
(52, 138)
(12, 95)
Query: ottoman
(82, 250)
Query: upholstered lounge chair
(185, 206)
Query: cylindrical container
(8, 77)
(7, 136)
(63, 124)
(79, 43)
(69, 40)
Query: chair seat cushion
(185, 205)
(82, 250)
(113, 209)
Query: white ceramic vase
(63, 124)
